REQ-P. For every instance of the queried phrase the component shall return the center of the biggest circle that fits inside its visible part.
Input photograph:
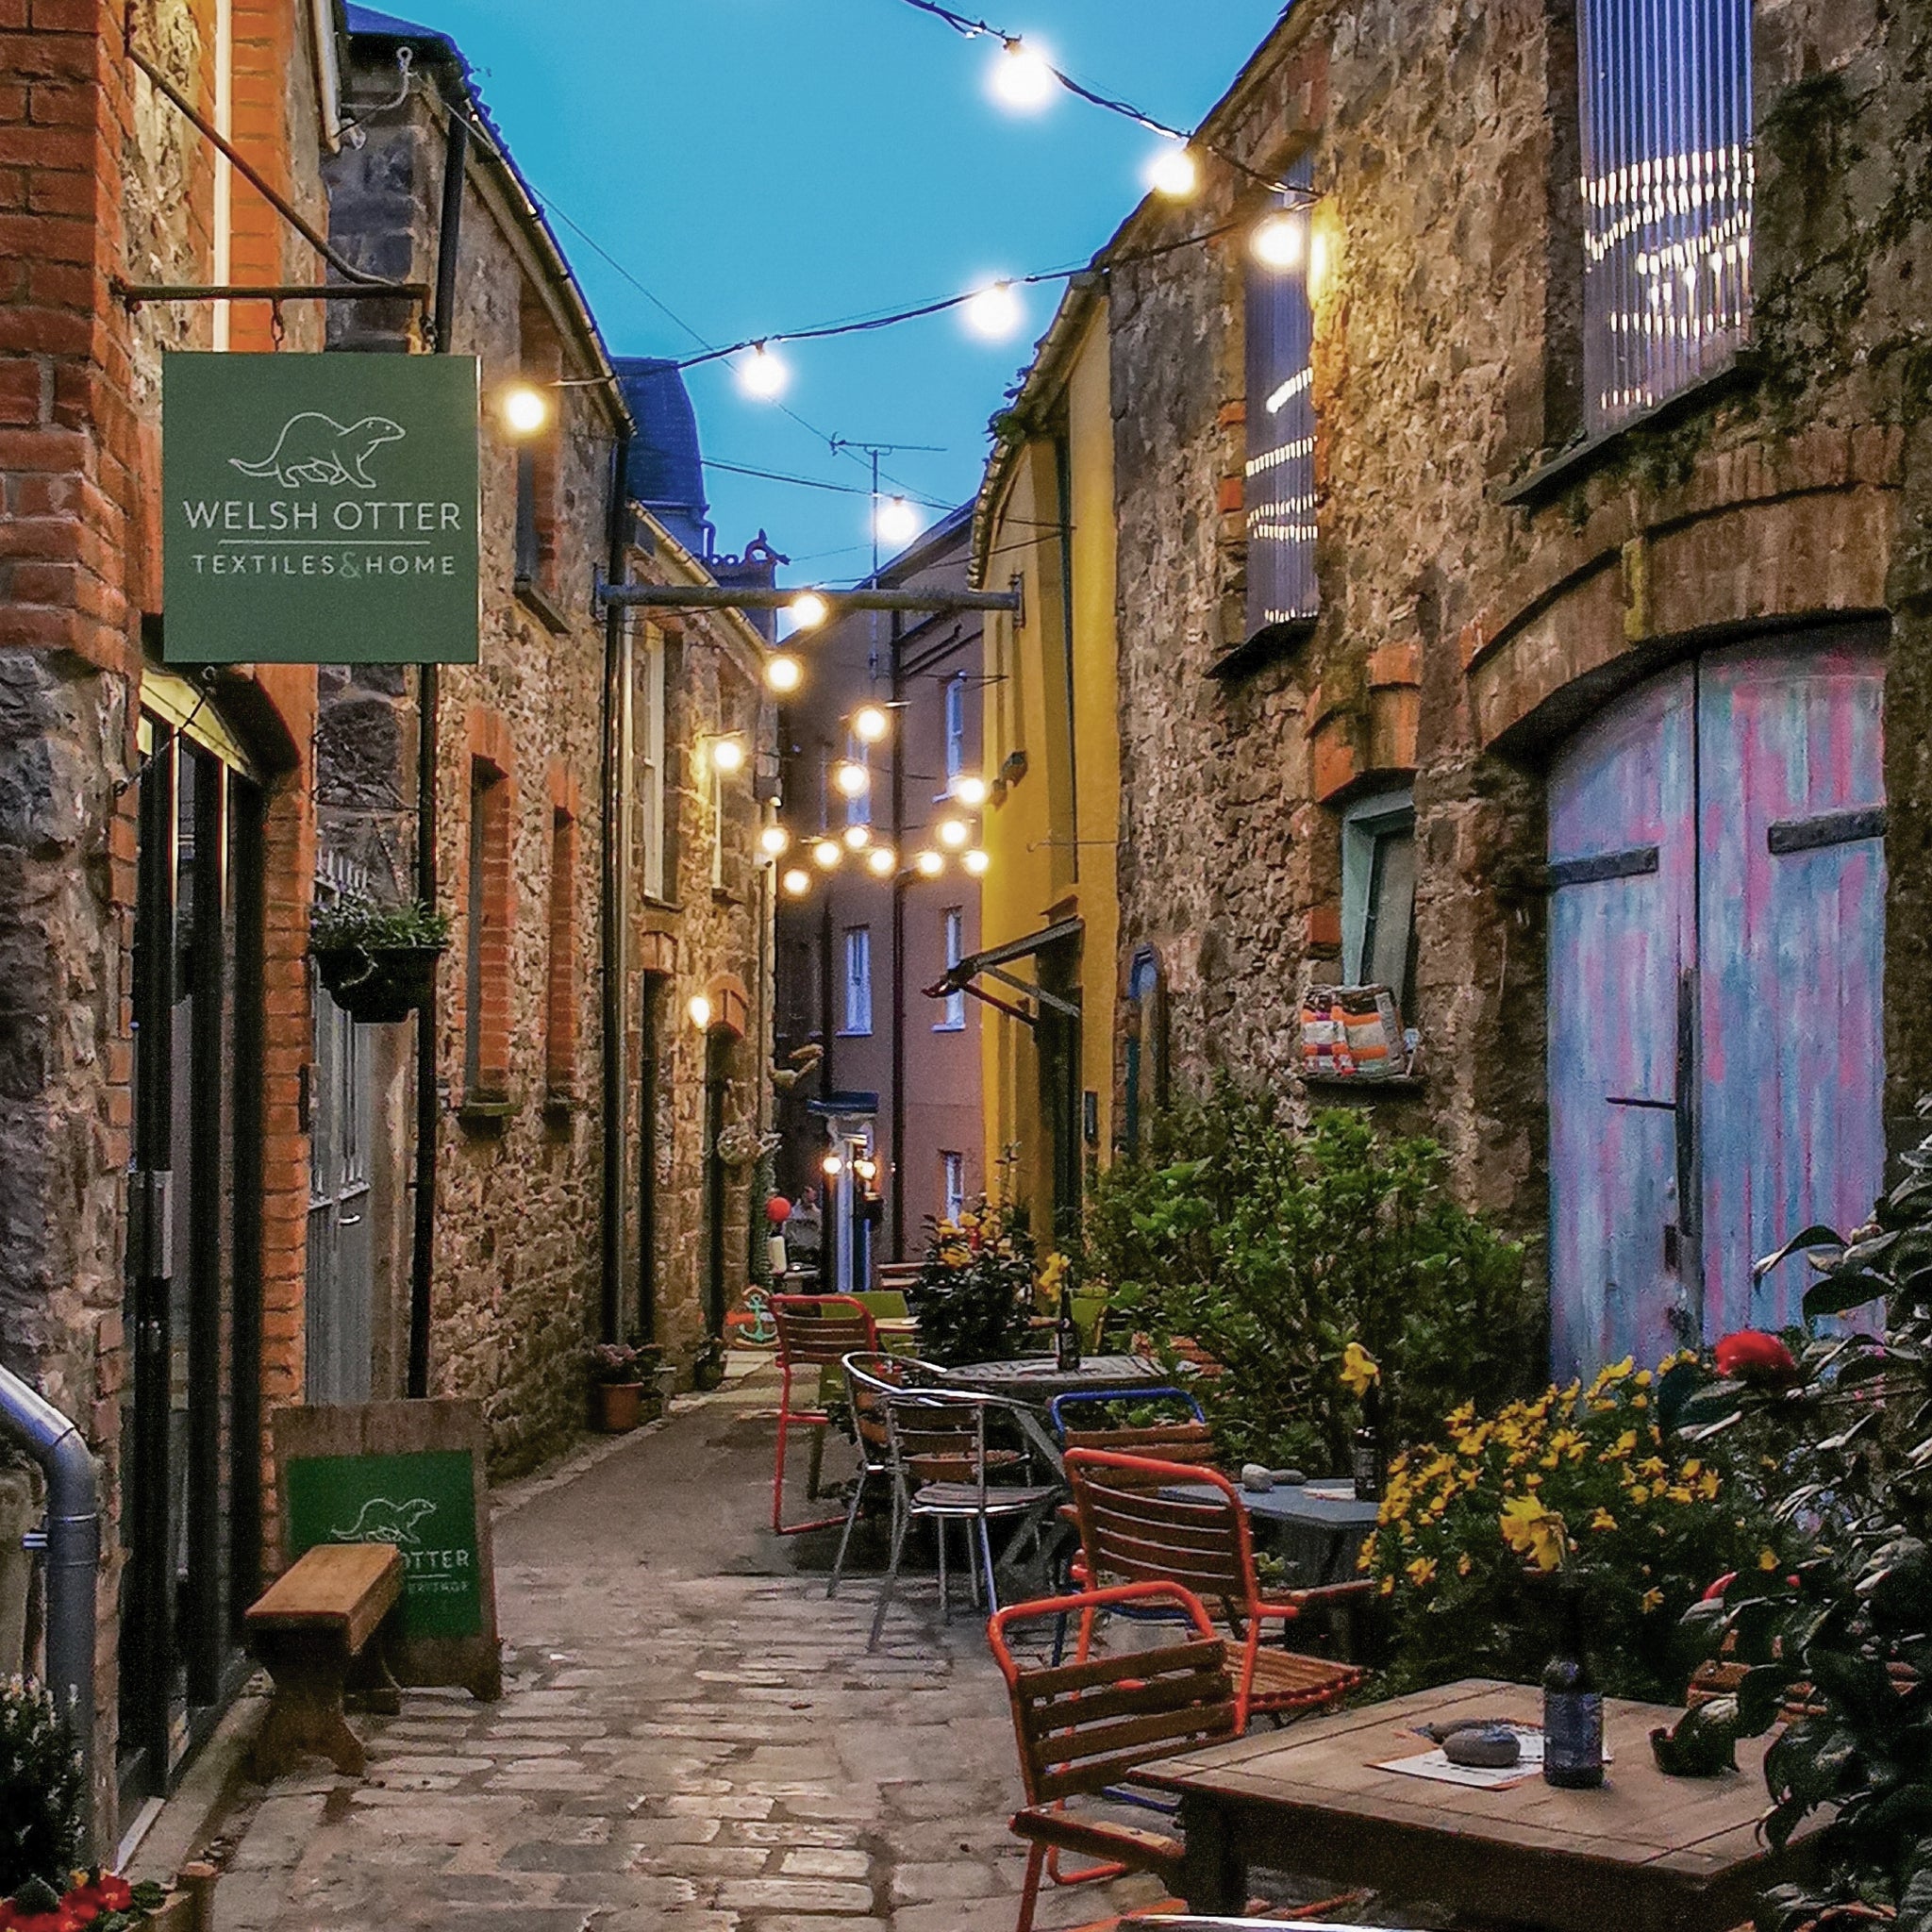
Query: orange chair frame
(815, 1332)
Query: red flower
(106, 1892)
(1714, 1592)
(1751, 1356)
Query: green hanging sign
(319, 510)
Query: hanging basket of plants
(378, 962)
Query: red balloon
(1751, 1356)
(778, 1210)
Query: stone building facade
(1527, 586)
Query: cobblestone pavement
(691, 1739)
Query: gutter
(73, 1545)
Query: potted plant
(377, 962)
(617, 1388)
(708, 1365)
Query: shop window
(1378, 894)
(561, 1036)
(952, 1184)
(486, 963)
(1278, 487)
(1665, 100)
(952, 939)
(857, 979)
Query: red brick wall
(493, 799)
(561, 1010)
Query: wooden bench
(312, 1627)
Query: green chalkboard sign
(319, 510)
(425, 1504)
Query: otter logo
(314, 448)
(383, 1521)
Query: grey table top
(1036, 1378)
(1320, 1505)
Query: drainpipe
(428, 1102)
(72, 1547)
(616, 788)
(898, 1142)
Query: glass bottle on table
(1573, 1705)
(1066, 1336)
(1368, 1447)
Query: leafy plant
(96, 1901)
(973, 1295)
(42, 1798)
(1585, 1483)
(1271, 1250)
(356, 923)
(1850, 1624)
(616, 1362)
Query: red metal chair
(816, 1332)
(1129, 1532)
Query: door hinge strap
(1829, 829)
(1639, 861)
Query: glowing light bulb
(995, 312)
(1022, 77)
(808, 609)
(969, 790)
(975, 861)
(762, 373)
(866, 1170)
(953, 834)
(784, 672)
(727, 754)
(1174, 172)
(881, 861)
(870, 724)
(832, 1167)
(851, 779)
(896, 521)
(825, 855)
(856, 838)
(1277, 239)
(797, 882)
(929, 865)
(524, 409)
(700, 1011)
(774, 840)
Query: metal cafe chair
(815, 1333)
(869, 1379)
(944, 1470)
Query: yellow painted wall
(1050, 834)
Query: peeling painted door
(1716, 962)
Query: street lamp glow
(1174, 172)
(870, 724)
(525, 408)
(825, 855)
(797, 882)
(866, 1170)
(762, 373)
(700, 1011)
(784, 674)
(773, 840)
(727, 754)
(896, 521)
(929, 865)
(970, 790)
(975, 861)
(953, 834)
(809, 610)
(1020, 77)
(995, 312)
(857, 838)
(1277, 241)
(881, 861)
(851, 779)
(831, 1167)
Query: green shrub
(43, 1801)
(355, 921)
(1272, 1250)
(973, 1296)
(1585, 1482)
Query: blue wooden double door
(1716, 959)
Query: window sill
(853, 1033)
(949, 1026)
(560, 1102)
(534, 598)
(486, 1113)
(1345, 1083)
(1572, 466)
(1268, 644)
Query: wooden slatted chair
(1129, 1532)
(1082, 1726)
(1079, 1421)
(816, 1332)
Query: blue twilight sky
(766, 164)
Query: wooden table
(1643, 1854)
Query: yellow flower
(1603, 1520)
(1422, 1571)
(1640, 1493)
(1767, 1559)
(1387, 1586)
(1707, 1485)
(1359, 1369)
(1679, 1493)
(1464, 1564)
(1651, 1599)
(1532, 1530)
(1366, 1561)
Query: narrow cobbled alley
(691, 1738)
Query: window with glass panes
(956, 725)
(953, 934)
(857, 979)
(1378, 894)
(953, 1184)
(1665, 99)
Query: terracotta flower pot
(616, 1406)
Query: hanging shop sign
(320, 510)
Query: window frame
(952, 1184)
(858, 1005)
(953, 946)
(651, 798)
(1369, 828)
(955, 720)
